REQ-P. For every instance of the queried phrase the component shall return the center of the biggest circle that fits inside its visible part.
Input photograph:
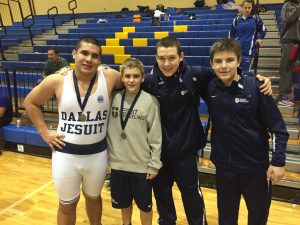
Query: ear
(211, 63)
(181, 56)
(239, 61)
(74, 53)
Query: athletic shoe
(286, 102)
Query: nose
(167, 62)
(131, 79)
(223, 64)
(88, 57)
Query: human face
(132, 79)
(52, 56)
(247, 8)
(225, 65)
(87, 59)
(168, 60)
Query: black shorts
(126, 186)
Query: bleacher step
(272, 33)
(267, 16)
(58, 30)
(46, 36)
(271, 73)
(271, 42)
(269, 60)
(263, 52)
(293, 132)
(291, 121)
(11, 56)
(268, 65)
(21, 49)
(286, 109)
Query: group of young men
(154, 132)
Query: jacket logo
(241, 100)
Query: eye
(136, 76)
(95, 56)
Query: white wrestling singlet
(84, 158)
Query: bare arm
(113, 80)
(47, 89)
(2, 111)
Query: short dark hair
(225, 45)
(248, 1)
(132, 63)
(168, 42)
(87, 39)
(53, 49)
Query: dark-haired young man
(177, 87)
(79, 156)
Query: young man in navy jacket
(177, 87)
(242, 119)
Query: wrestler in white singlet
(84, 159)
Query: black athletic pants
(255, 189)
(184, 172)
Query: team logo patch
(100, 99)
(241, 100)
(115, 112)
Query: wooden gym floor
(27, 197)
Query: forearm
(35, 115)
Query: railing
(72, 6)
(52, 16)
(3, 33)
(28, 20)
(4, 82)
(9, 8)
(24, 79)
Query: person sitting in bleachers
(6, 115)
(54, 62)
(156, 17)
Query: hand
(266, 87)
(259, 42)
(275, 174)
(151, 176)
(52, 138)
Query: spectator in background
(6, 114)
(290, 36)
(54, 62)
(249, 30)
(157, 17)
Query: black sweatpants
(184, 172)
(255, 189)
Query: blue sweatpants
(184, 172)
(255, 189)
